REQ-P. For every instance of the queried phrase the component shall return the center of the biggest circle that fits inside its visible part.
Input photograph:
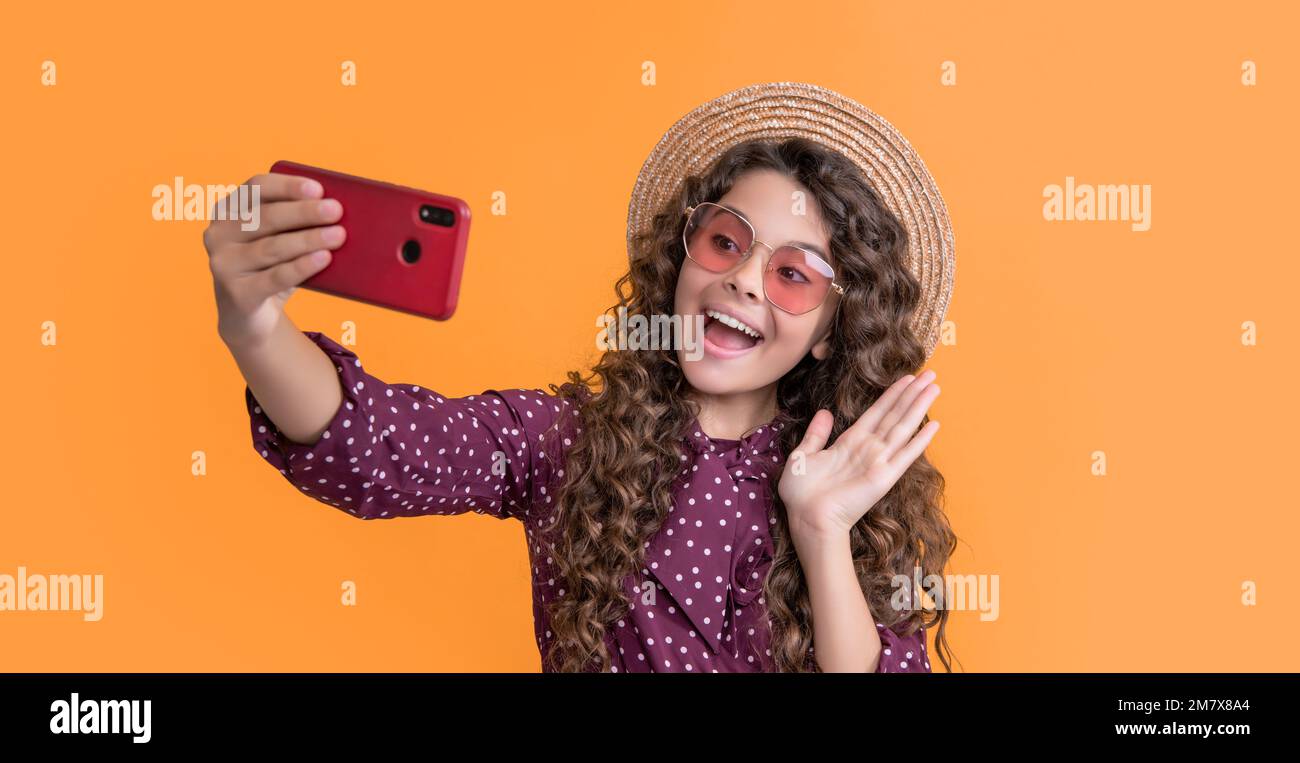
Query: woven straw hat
(778, 110)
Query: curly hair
(632, 409)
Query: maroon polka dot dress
(401, 450)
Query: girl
(747, 509)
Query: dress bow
(710, 560)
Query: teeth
(732, 322)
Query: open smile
(726, 336)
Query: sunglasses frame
(835, 287)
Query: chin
(712, 376)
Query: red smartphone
(405, 248)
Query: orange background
(1072, 336)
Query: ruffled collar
(760, 439)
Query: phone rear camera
(437, 215)
(411, 252)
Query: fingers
(898, 433)
(272, 281)
(913, 450)
(285, 246)
(266, 247)
(292, 215)
(818, 432)
(903, 402)
(273, 188)
(869, 422)
(276, 186)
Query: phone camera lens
(437, 215)
(411, 252)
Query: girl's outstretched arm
(293, 380)
(393, 450)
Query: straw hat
(778, 110)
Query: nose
(746, 281)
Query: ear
(823, 346)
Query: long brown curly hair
(633, 407)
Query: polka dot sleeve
(902, 654)
(396, 450)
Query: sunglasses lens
(797, 281)
(716, 238)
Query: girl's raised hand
(255, 272)
(827, 490)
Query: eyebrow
(817, 250)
